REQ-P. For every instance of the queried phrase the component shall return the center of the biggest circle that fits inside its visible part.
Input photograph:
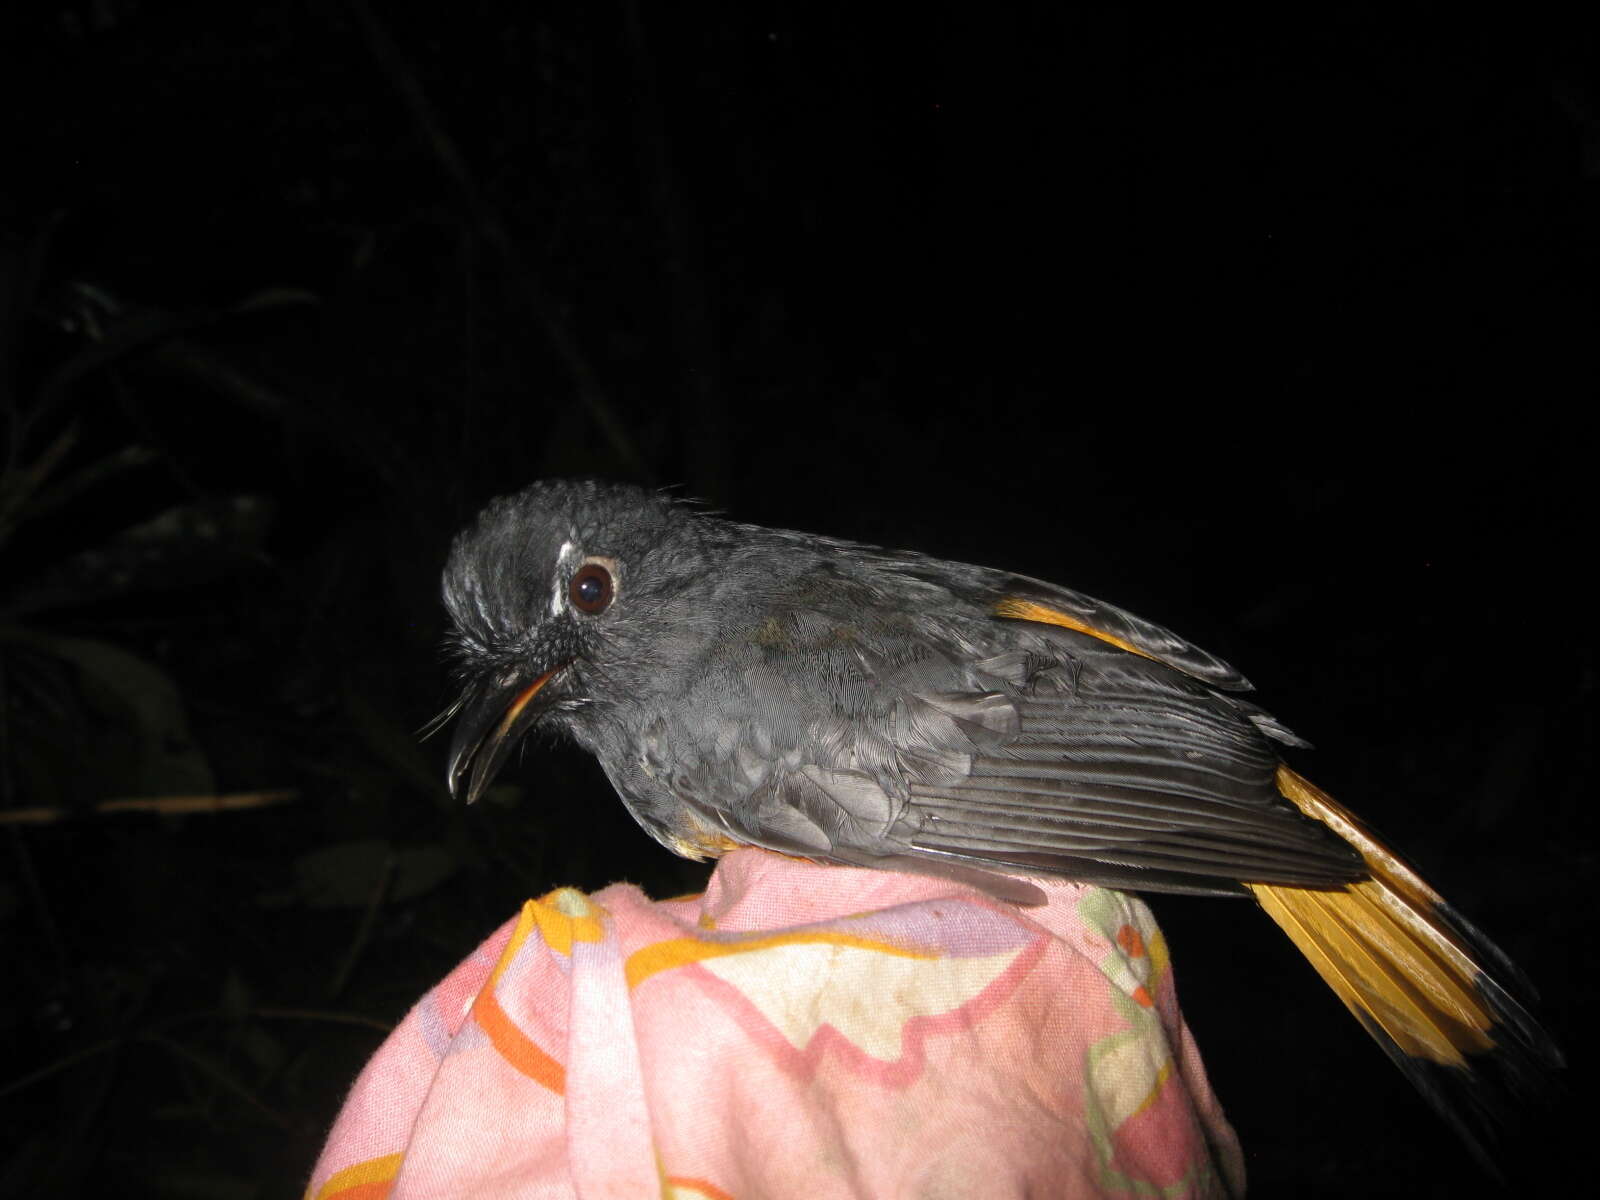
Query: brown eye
(591, 589)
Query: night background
(1279, 332)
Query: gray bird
(744, 686)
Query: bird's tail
(1419, 977)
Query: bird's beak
(491, 722)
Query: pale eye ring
(592, 589)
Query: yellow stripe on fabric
(565, 916)
(379, 1172)
(681, 952)
(1164, 1074)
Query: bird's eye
(591, 589)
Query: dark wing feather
(1126, 773)
(951, 735)
(1119, 627)
(1001, 593)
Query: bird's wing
(1035, 600)
(1016, 745)
(1124, 772)
(1056, 753)
(1106, 767)
(1023, 598)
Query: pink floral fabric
(796, 1031)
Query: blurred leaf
(91, 476)
(235, 1001)
(117, 331)
(185, 546)
(347, 875)
(259, 1045)
(49, 1163)
(18, 484)
(392, 744)
(270, 298)
(504, 795)
(265, 1052)
(215, 1078)
(137, 698)
(125, 335)
(22, 262)
(240, 518)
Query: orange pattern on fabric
(677, 1184)
(1130, 941)
(564, 916)
(370, 1180)
(892, 1003)
(516, 1047)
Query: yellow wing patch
(1027, 610)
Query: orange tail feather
(1410, 970)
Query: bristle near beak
(492, 719)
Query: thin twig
(683, 259)
(20, 484)
(59, 1065)
(167, 805)
(369, 921)
(493, 229)
(322, 1016)
(151, 1034)
(25, 267)
(91, 476)
(218, 1075)
(41, 903)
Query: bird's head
(554, 594)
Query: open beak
(491, 722)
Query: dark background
(1279, 331)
